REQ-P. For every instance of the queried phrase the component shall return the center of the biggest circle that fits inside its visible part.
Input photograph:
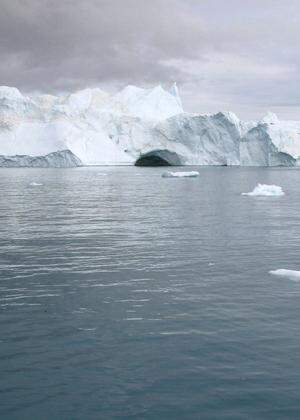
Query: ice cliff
(135, 126)
(61, 159)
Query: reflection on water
(127, 295)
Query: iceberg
(136, 126)
(201, 139)
(264, 145)
(190, 174)
(290, 274)
(265, 190)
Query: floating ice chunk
(35, 184)
(290, 274)
(190, 174)
(266, 190)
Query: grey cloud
(54, 45)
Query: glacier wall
(138, 126)
(61, 159)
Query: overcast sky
(239, 55)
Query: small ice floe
(290, 274)
(265, 190)
(35, 184)
(190, 174)
(87, 329)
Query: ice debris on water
(35, 184)
(189, 174)
(290, 274)
(266, 190)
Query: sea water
(127, 295)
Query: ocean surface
(125, 295)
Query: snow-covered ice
(290, 274)
(265, 190)
(190, 174)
